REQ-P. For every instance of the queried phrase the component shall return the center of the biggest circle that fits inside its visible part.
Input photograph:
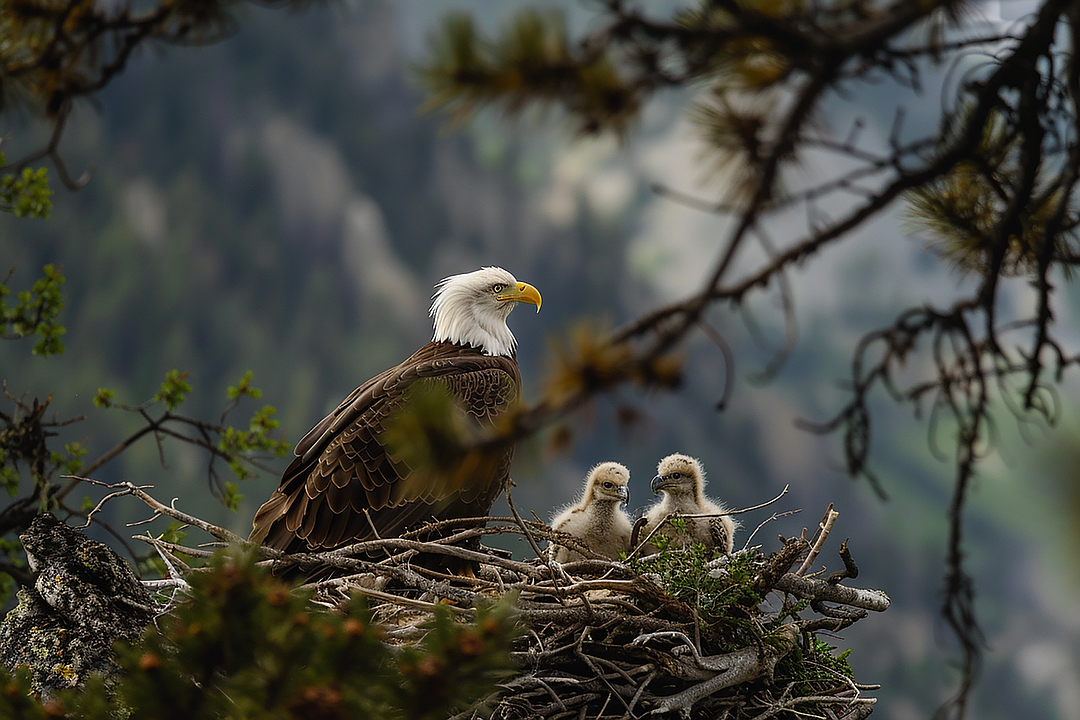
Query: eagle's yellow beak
(524, 292)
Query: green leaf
(232, 496)
(239, 445)
(72, 463)
(104, 397)
(174, 533)
(9, 480)
(26, 194)
(174, 389)
(35, 312)
(244, 388)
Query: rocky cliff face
(84, 598)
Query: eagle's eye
(675, 475)
(608, 484)
(497, 288)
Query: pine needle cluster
(244, 645)
(962, 210)
(533, 62)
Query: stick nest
(681, 633)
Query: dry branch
(814, 589)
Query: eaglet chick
(597, 520)
(681, 480)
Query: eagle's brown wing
(720, 532)
(343, 486)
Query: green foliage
(231, 495)
(244, 388)
(26, 441)
(722, 595)
(26, 194)
(174, 533)
(455, 663)
(602, 81)
(245, 646)
(240, 444)
(718, 596)
(23, 440)
(429, 429)
(17, 700)
(11, 554)
(237, 447)
(431, 433)
(9, 476)
(815, 663)
(35, 312)
(174, 389)
(69, 461)
(104, 398)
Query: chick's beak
(624, 493)
(658, 484)
(523, 293)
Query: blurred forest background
(277, 202)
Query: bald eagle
(681, 480)
(597, 519)
(344, 486)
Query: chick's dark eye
(608, 484)
(497, 288)
(676, 475)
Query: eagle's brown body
(343, 486)
(351, 479)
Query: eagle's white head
(471, 309)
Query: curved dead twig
(763, 523)
(126, 488)
(639, 544)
